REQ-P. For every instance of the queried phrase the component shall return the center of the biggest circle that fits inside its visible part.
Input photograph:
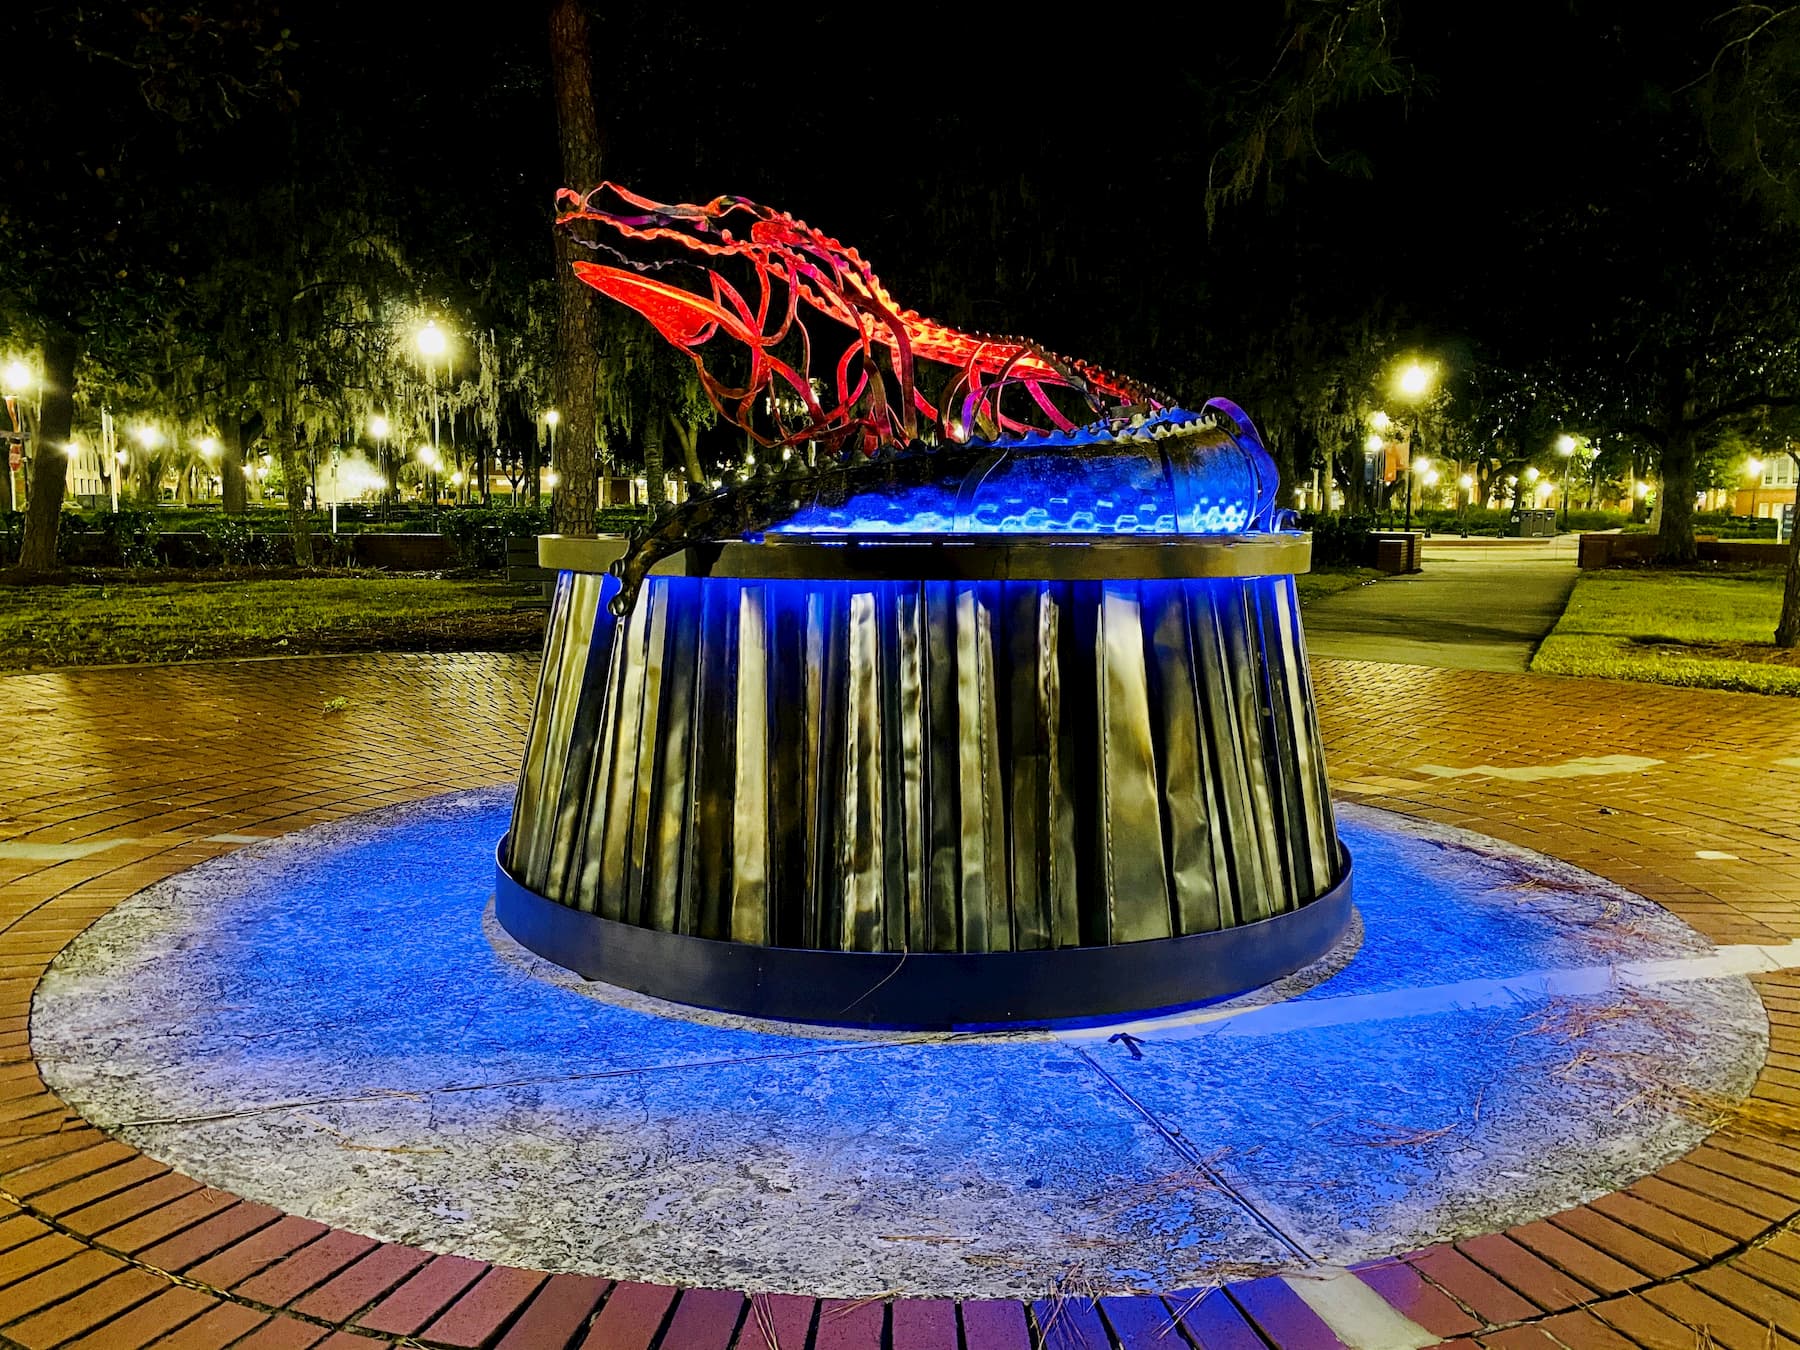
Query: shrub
(479, 533)
(1340, 541)
(238, 545)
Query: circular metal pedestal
(930, 782)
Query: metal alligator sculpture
(867, 436)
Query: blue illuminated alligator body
(777, 493)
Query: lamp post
(209, 451)
(16, 381)
(1565, 446)
(1414, 384)
(432, 344)
(551, 479)
(378, 431)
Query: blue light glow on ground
(340, 1032)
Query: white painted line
(236, 838)
(1361, 1318)
(1713, 855)
(1587, 766)
(1307, 1014)
(60, 852)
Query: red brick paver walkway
(101, 1247)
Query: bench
(522, 566)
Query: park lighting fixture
(1431, 478)
(1755, 467)
(148, 437)
(427, 455)
(457, 478)
(552, 417)
(1380, 421)
(1421, 466)
(431, 340)
(551, 478)
(378, 427)
(1531, 474)
(209, 447)
(72, 449)
(16, 377)
(1641, 490)
(1565, 444)
(1544, 489)
(1374, 443)
(1466, 482)
(1415, 380)
(120, 456)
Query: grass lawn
(1706, 629)
(78, 625)
(123, 622)
(1330, 580)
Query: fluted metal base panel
(926, 766)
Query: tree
(1749, 98)
(577, 337)
(95, 201)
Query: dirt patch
(1761, 653)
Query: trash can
(1531, 524)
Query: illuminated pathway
(118, 779)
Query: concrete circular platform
(330, 1024)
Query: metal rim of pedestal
(934, 991)
(956, 557)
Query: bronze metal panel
(863, 855)
(1027, 775)
(532, 799)
(707, 885)
(1187, 813)
(671, 800)
(1137, 895)
(750, 795)
(1061, 868)
(908, 748)
(943, 759)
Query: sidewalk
(1479, 604)
(1682, 796)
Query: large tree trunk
(577, 335)
(656, 487)
(49, 466)
(1787, 632)
(293, 477)
(689, 436)
(231, 462)
(1675, 538)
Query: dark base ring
(925, 990)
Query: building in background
(1770, 485)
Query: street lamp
(148, 437)
(15, 379)
(428, 458)
(1565, 446)
(209, 451)
(430, 340)
(1414, 383)
(551, 477)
